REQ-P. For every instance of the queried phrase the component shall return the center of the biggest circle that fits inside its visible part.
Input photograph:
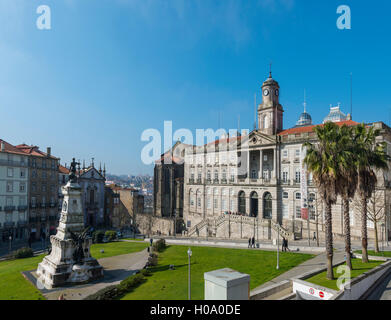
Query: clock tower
(270, 111)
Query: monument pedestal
(70, 261)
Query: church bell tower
(270, 112)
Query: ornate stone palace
(250, 185)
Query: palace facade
(243, 186)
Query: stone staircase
(252, 221)
(283, 232)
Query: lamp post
(10, 247)
(189, 255)
(278, 247)
(174, 223)
(382, 237)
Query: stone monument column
(70, 260)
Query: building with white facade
(250, 186)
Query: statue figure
(78, 240)
(72, 171)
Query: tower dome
(305, 118)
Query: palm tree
(321, 160)
(347, 182)
(369, 155)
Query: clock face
(277, 92)
(266, 92)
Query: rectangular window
(22, 187)
(298, 212)
(208, 203)
(285, 210)
(215, 203)
(10, 172)
(10, 201)
(297, 153)
(285, 195)
(10, 186)
(22, 173)
(298, 196)
(297, 176)
(44, 188)
(223, 204)
(285, 154)
(199, 202)
(285, 176)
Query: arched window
(242, 202)
(265, 122)
(254, 204)
(267, 206)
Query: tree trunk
(376, 238)
(348, 246)
(329, 241)
(317, 230)
(364, 231)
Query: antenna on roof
(255, 111)
(239, 124)
(305, 103)
(270, 72)
(351, 95)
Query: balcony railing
(13, 163)
(191, 180)
(33, 219)
(22, 223)
(22, 208)
(33, 205)
(223, 181)
(9, 208)
(9, 224)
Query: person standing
(253, 242)
(283, 244)
(249, 242)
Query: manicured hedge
(23, 253)
(125, 286)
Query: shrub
(23, 253)
(159, 245)
(152, 260)
(130, 283)
(146, 272)
(111, 235)
(108, 293)
(97, 236)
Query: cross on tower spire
(270, 72)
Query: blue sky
(109, 69)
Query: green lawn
(116, 248)
(358, 268)
(134, 239)
(13, 286)
(379, 254)
(165, 284)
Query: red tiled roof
(310, 128)
(33, 150)
(9, 148)
(63, 170)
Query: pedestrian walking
(284, 244)
(314, 237)
(253, 242)
(249, 242)
(151, 241)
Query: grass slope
(165, 284)
(358, 268)
(13, 286)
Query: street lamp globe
(189, 252)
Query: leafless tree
(376, 212)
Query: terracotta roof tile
(9, 148)
(298, 130)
